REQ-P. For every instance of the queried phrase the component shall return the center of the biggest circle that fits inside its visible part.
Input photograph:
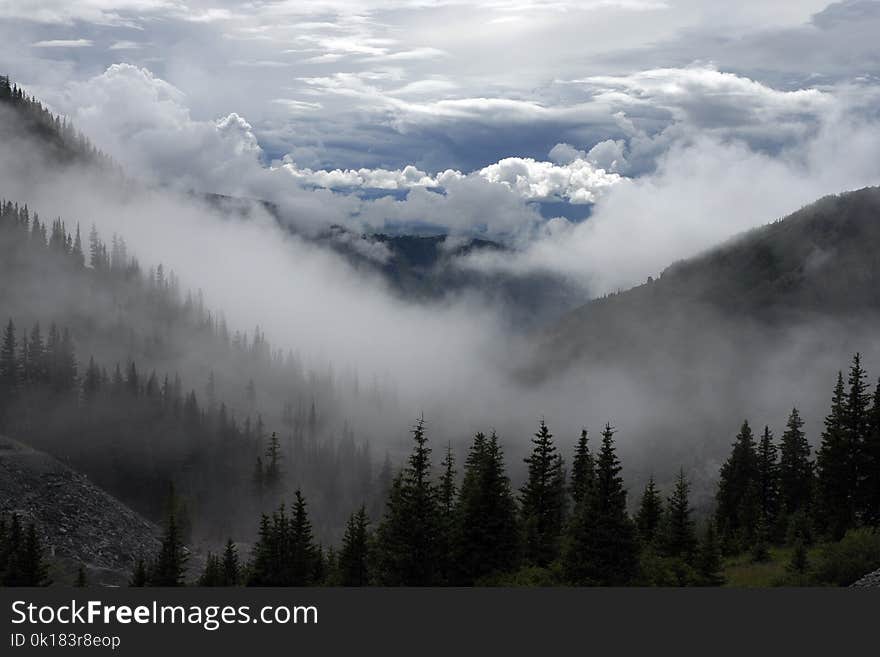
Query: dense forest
(136, 430)
(570, 525)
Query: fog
(457, 361)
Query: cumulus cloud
(703, 191)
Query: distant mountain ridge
(822, 261)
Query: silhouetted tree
(543, 500)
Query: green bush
(855, 555)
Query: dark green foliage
(169, 567)
(846, 561)
(650, 514)
(448, 494)
(213, 573)
(486, 539)
(285, 553)
(542, 500)
(768, 479)
(760, 551)
(231, 565)
(583, 471)
(737, 498)
(870, 477)
(353, 563)
(681, 538)
(834, 462)
(795, 467)
(22, 556)
(799, 563)
(708, 564)
(409, 532)
(601, 545)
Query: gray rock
(80, 524)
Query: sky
(601, 140)
(670, 124)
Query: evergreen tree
(681, 539)
(213, 573)
(650, 514)
(795, 467)
(870, 482)
(32, 566)
(738, 509)
(354, 557)
(231, 565)
(857, 428)
(583, 471)
(170, 566)
(447, 494)
(543, 500)
(8, 364)
(833, 462)
(408, 535)
(768, 478)
(601, 547)
(272, 474)
(303, 551)
(708, 563)
(486, 536)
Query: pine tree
(170, 566)
(835, 486)
(708, 563)
(272, 475)
(231, 566)
(447, 494)
(32, 565)
(870, 482)
(213, 573)
(487, 538)
(8, 363)
(738, 501)
(681, 539)
(303, 551)
(601, 546)
(408, 535)
(354, 557)
(543, 500)
(768, 479)
(583, 471)
(857, 428)
(795, 467)
(650, 514)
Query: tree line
(133, 427)
(572, 525)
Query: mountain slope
(78, 522)
(820, 263)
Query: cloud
(64, 43)
(703, 191)
(125, 45)
(577, 181)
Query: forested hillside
(817, 264)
